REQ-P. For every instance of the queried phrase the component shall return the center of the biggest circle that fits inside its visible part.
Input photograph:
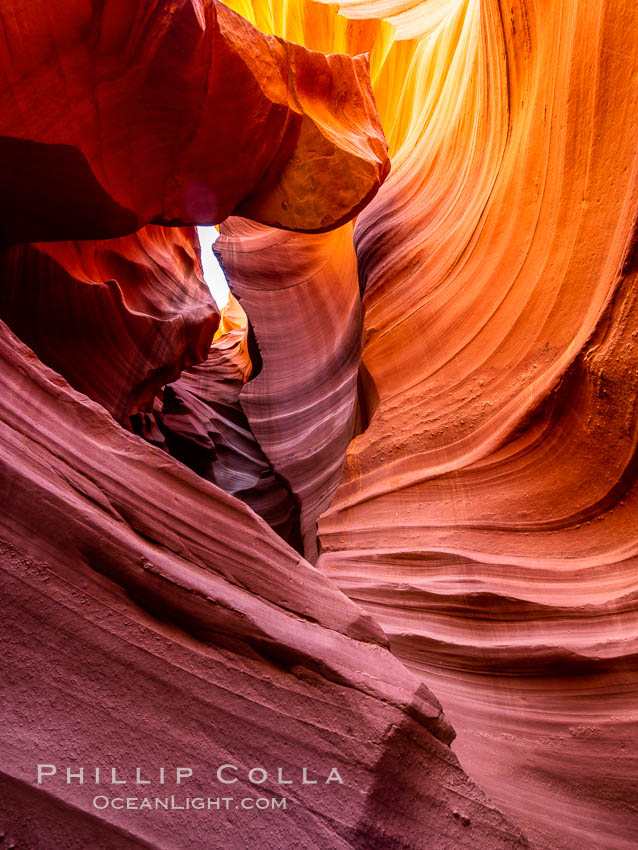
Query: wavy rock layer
(118, 318)
(200, 422)
(487, 516)
(240, 653)
(111, 117)
(148, 617)
(307, 323)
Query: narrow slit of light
(213, 274)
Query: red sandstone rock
(203, 425)
(307, 324)
(119, 318)
(149, 618)
(115, 115)
(488, 515)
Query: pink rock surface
(119, 318)
(447, 387)
(167, 624)
(201, 423)
(488, 515)
(307, 323)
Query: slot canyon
(369, 528)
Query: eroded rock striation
(486, 516)
(200, 421)
(167, 621)
(409, 470)
(301, 407)
(151, 618)
(119, 318)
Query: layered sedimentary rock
(150, 618)
(307, 323)
(135, 123)
(116, 115)
(169, 623)
(200, 421)
(119, 318)
(487, 515)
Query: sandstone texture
(149, 618)
(119, 114)
(486, 515)
(380, 514)
(119, 318)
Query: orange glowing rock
(119, 318)
(436, 404)
(487, 515)
(175, 113)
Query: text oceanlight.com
(173, 803)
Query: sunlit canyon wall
(409, 476)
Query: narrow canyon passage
(487, 516)
(373, 508)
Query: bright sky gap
(213, 274)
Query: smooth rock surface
(119, 318)
(150, 619)
(301, 407)
(487, 515)
(117, 114)
(484, 516)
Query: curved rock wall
(474, 332)
(148, 617)
(119, 318)
(151, 619)
(200, 422)
(301, 293)
(486, 516)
